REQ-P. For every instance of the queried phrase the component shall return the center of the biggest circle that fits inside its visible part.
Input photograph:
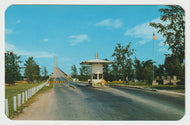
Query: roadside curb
(100, 87)
(170, 92)
(72, 86)
(83, 85)
(150, 89)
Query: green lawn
(13, 90)
(139, 83)
(176, 88)
(20, 87)
(45, 88)
(130, 83)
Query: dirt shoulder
(40, 102)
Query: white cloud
(8, 31)
(110, 23)
(45, 40)
(37, 54)
(162, 44)
(75, 39)
(18, 21)
(144, 32)
(65, 59)
(165, 50)
(43, 54)
(9, 47)
(142, 41)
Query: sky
(75, 33)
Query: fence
(21, 98)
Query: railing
(22, 98)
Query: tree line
(173, 29)
(32, 71)
(134, 69)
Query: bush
(160, 82)
(180, 83)
(169, 84)
(116, 82)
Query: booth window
(95, 76)
(100, 76)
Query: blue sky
(75, 33)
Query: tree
(160, 71)
(115, 73)
(148, 71)
(116, 70)
(84, 73)
(106, 71)
(122, 54)
(173, 66)
(12, 68)
(74, 72)
(138, 69)
(32, 70)
(173, 29)
(147, 75)
(36, 73)
(45, 73)
(129, 69)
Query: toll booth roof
(96, 61)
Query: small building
(166, 80)
(97, 69)
(25, 79)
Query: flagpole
(154, 38)
(153, 61)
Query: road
(115, 103)
(81, 102)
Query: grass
(176, 88)
(45, 88)
(139, 83)
(18, 88)
(169, 87)
(130, 83)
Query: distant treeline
(32, 71)
(134, 69)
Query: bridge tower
(55, 65)
(55, 62)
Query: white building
(97, 69)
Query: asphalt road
(81, 102)
(86, 103)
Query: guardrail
(23, 97)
